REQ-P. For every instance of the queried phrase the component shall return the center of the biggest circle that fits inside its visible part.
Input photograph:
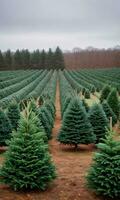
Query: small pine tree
(98, 120)
(5, 128)
(113, 101)
(93, 89)
(105, 92)
(28, 164)
(87, 94)
(13, 114)
(76, 128)
(109, 112)
(104, 175)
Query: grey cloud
(92, 18)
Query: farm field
(56, 87)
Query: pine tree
(13, 114)
(17, 59)
(8, 58)
(93, 89)
(1, 61)
(76, 128)
(98, 120)
(105, 92)
(5, 128)
(59, 59)
(109, 112)
(104, 175)
(28, 164)
(113, 101)
(87, 94)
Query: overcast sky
(68, 23)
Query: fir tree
(98, 120)
(93, 89)
(58, 59)
(87, 94)
(76, 128)
(104, 175)
(28, 164)
(5, 128)
(105, 92)
(1, 61)
(113, 101)
(13, 114)
(109, 112)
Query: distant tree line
(92, 58)
(24, 59)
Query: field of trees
(59, 133)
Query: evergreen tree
(43, 59)
(49, 59)
(13, 114)
(1, 61)
(113, 101)
(76, 128)
(87, 94)
(8, 58)
(17, 59)
(28, 164)
(93, 89)
(104, 175)
(58, 59)
(98, 120)
(109, 112)
(5, 128)
(25, 58)
(105, 92)
(35, 59)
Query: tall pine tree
(109, 112)
(113, 101)
(28, 164)
(98, 120)
(76, 128)
(104, 175)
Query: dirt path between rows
(71, 168)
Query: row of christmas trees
(84, 125)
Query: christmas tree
(76, 128)
(113, 101)
(98, 120)
(109, 112)
(105, 92)
(28, 164)
(87, 94)
(13, 114)
(104, 175)
(5, 128)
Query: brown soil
(71, 168)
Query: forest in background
(92, 58)
(75, 59)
